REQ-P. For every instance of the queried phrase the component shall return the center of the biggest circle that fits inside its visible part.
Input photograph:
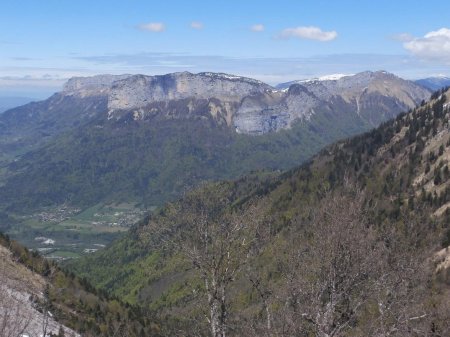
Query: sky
(45, 42)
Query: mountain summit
(249, 106)
(242, 104)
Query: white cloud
(196, 25)
(153, 27)
(257, 28)
(434, 45)
(310, 33)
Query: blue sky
(42, 43)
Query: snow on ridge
(231, 77)
(442, 76)
(331, 77)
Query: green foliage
(154, 161)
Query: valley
(64, 233)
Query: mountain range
(246, 105)
(143, 140)
(434, 83)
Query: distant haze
(9, 102)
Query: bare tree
(217, 242)
(401, 287)
(337, 260)
(347, 275)
(46, 303)
(257, 272)
(265, 293)
(336, 272)
(218, 250)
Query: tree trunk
(223, 311)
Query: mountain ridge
(10, 102)
(434, 83)
(221, 95)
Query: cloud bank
(434, 46)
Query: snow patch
(230, 77)
(331, 77)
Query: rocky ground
(19, 315)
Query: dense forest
(151, 162)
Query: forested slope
(343, 245)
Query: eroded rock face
(91, 86)
(372, 96)
(274, 111)
(252, 107)
(139, 90)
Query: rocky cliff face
(252, 107)
(372, 96)
(139, 90)
(91, 86)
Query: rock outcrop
(91, 86)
